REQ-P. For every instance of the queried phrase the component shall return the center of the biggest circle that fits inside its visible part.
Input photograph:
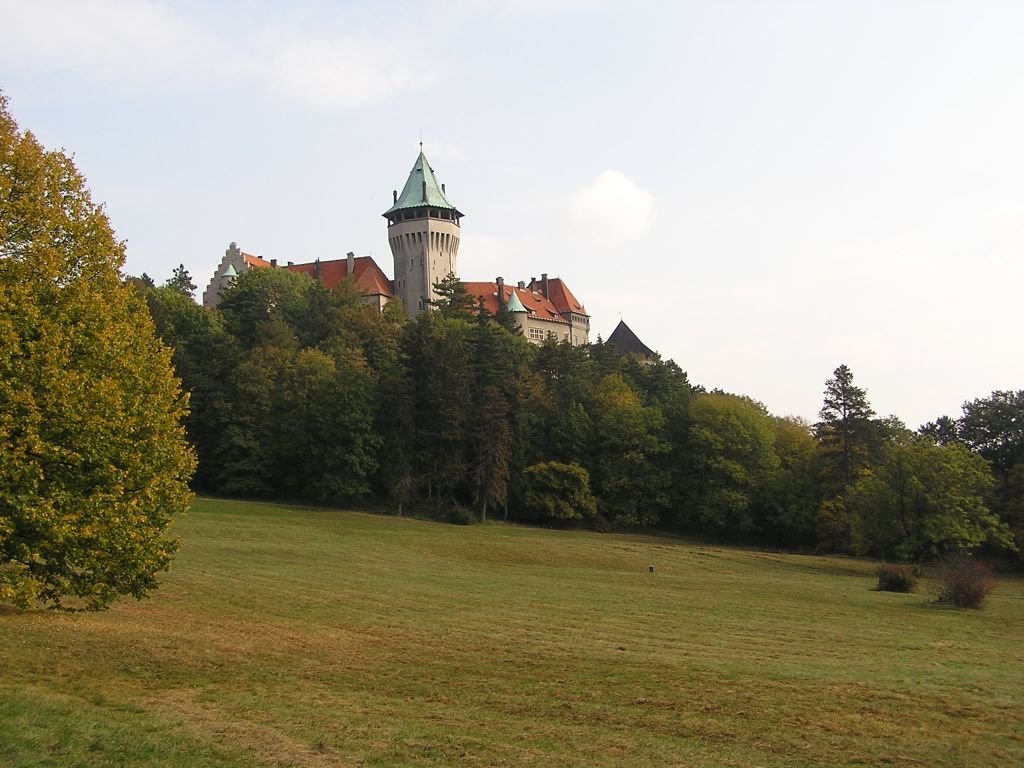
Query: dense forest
(301, 393)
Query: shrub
(896, 578)
(456, 514)
(557, 492)
(964, 582)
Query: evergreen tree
(180, 281)
(844, 435)
(844, 431)
(453, 299)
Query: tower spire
(424, 233)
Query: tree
(271, 307)
(844, 430)
(732, 458)
(631, 488)
(790, 500)
(845, 435)
(95, 464)
(942, 431)
(926, 502)
(205, 358)
(556, 492)
(453, 300)
(181, 282)
(439, 356)
(993, 427)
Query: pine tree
(844, 431)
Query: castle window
(537, 334)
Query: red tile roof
(255, 261)
(559, 295)
(366, 275)
(533, 300)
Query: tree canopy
(95, 462)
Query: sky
(762, 190)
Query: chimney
(501, 289)
(273, 263)
(394, 195)
(316, 268)
(290, 263)
(351, 262)
(544, 284)
(521, 285)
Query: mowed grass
(297, 637)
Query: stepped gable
(628, 343)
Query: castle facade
(424, 231)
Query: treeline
(298, 392)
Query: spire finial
(421, 139)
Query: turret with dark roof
(628, 343)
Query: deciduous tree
(557, 492)
(95, 463)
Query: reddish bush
(965, 583)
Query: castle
(424, 231)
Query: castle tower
(423, 231)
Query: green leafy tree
(95, 463)
(273, 307)
(993, 427)
(439, 355)
(942, 431)
(322, 441)
(557, 492)
(790, 498)
(924, 502)
(563, 404)
(631, 487)
(732, 454)
(205, 357)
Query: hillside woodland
(301, 393)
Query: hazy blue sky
(762, 190)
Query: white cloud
(122, 42)
(611, 211)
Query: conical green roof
(421, 189)
(514, 304)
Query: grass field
(316, 638)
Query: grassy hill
(296, 637)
